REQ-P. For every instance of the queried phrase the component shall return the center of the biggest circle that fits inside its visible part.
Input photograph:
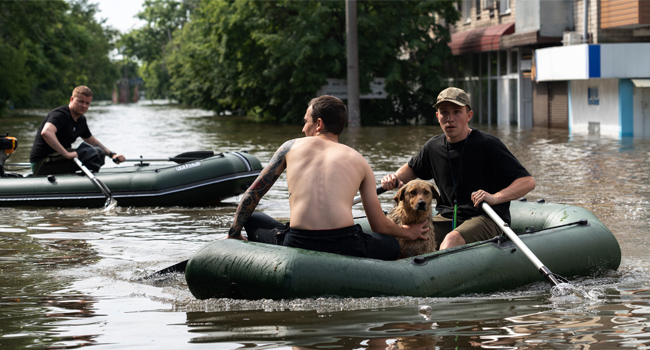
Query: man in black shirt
(469, 166)
(52, 152)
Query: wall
(642, 112)
(625, 60)
(556, 17)
(606, 112)
(527, 16)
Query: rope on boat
(422, 260)
(581, 222)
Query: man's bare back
(323, 177)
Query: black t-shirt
(67, 132)
(481, 161)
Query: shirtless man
(323, 177)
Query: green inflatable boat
(570, 241)
(186, 182)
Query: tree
(270, 58)
(149, 43)
(48, 48)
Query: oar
(180, 267)
(357, 199)
(110, 201)
(552, 278)
(181, 158)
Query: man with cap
(469, 166)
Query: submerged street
(70, 276)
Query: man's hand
(234, 233)
(481, 196)
(118, 158)
(70, 155)
(389, 181)
(416, 231)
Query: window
(592, 96)
(513, 62)
(503, 62)
(466, 10)
(504, 6)
(490, 4)
(478, 8)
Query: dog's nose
(422, 205)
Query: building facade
(497, 45)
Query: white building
(581, 65)
(609, 86)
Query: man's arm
(403, 174)
(258, 189)
(117, 158)
(49, 135)
(376, 217)
(517, 189)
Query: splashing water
(110, 204)
(568, 289)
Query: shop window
(503, 62)
(513, 62)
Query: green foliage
(149, 44)
(270, 58)
(48, 48)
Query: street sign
(339, 88)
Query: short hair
(82, 90)
(332, 111)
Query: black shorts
(351, 241)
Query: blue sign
(592, 96)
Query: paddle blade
(189, 156)
(111, 203)
(176, 268)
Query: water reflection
(457, 323)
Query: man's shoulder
(485, 136)
(318, 144)
(59, 112)
(435, 141)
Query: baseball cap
(453, 95)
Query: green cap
(453, 95)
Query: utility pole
(354, 115)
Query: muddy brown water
(69, 277)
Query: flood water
(69, 277)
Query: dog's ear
(435, 193)
(399, 196)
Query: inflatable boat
(570, 240)
(193, 181)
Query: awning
(480, 40)
(641, 82)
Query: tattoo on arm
(258, 189)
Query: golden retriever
(413, 205)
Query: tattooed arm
(258, 189)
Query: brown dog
(413, 205)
